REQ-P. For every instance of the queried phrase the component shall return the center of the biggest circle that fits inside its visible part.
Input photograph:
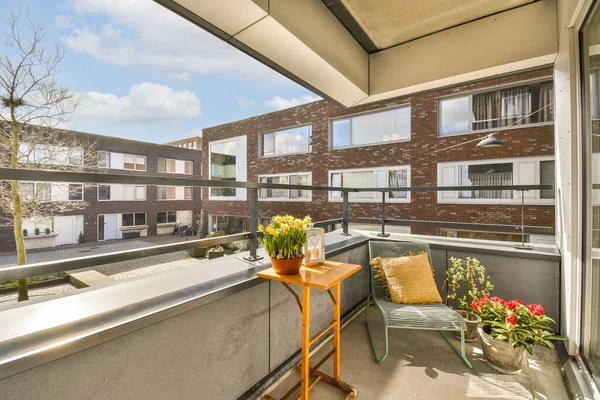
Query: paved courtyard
(119, 271)
(73, 252)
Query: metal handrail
(17, 272)
(29, 270)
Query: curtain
(487, 175)
(485, 110)
(546, 114)
(516, 106)
(398, 178)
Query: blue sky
(144, 73)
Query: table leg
(336, 333)
(305, 367)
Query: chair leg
(462, 353)
(387, 345)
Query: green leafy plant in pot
(467, 281)
(37, 231)
(284, 240)
(25, 232)
(509, 331)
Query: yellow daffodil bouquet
(284, 237)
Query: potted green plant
(509, 331)
(467, 281)
(37, 231)
(25, 232)
(284, 240)
(216, 252)
(81, 239)
(47, 231)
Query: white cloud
(142, 32)
(279, 103)
(245, 102)
(144, 102)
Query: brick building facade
(423, 152)
(122, 209)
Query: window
(503, 172)
(50, 155)
(103, 159)
(485, 175)
(103, 192)
(547, 177)
(40, 191)
(374, 128)
(520, 105)
(161, 192)
(174, 192)
(166, 217)
(372, 178)
(227, 224)
(75, 191)
(175, 166)
(223, 166)
(27, 190)
(171, 166)
(133, 219)
(287, 141)
(121, 161)
(162, 165)
(286, 194)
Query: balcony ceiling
(357, 52)
(388, 23)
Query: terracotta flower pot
(287, 267)
(500, 355)
(471, 334)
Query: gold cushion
(408, 280)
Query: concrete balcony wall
(221, 349)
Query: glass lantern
(314, 249)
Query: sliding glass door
(590, 322)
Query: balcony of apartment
(217, 331)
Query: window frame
(240, 193)
(166, 171)
(360, 114)
(288, 199)
(135, 156)
(376, 195)
(274, 132)
(191, 189)
(471, 93)
(135, 187)
(134, 224)
(516, 198)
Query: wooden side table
(323, 276)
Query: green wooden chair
(437, 316)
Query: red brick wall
(521, 142)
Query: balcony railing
(25, 271)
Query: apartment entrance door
(110, 227)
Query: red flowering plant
(513, 322)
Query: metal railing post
(253, 225)
(523, 246)
(346, 221)
(383, 234)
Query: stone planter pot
(501, 355)
(287, 267)
(198, 252)
(471, 334)
(215, 254)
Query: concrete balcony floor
(421, 365)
